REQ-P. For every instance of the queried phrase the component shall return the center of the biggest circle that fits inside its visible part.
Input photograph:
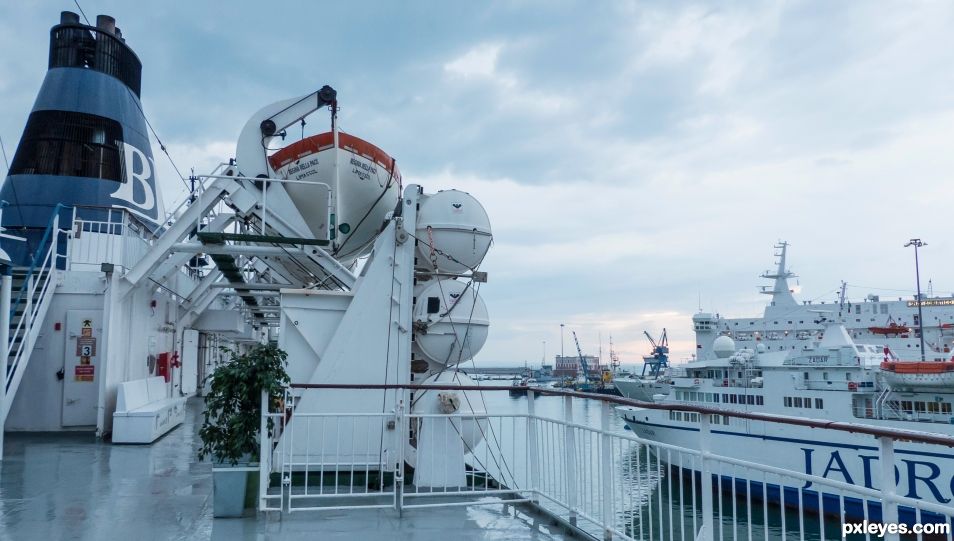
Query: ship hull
(923, 472)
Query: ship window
(857, 308)
(945, 407)
(715, 398)
(760, 400)
(433, 305)
(750, 400)
(69, 144)
(919, 407)
(788, 401)
(819, 404)
(798, 401)
(933, 407)
(907, 406)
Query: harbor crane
(579, 351)
(658, 360)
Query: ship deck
(71, 486)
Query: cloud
(645, 162)
(480, 61)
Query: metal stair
(33, 289)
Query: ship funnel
(106, 23)
(85, 149)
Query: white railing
(592, 475)
(120, 239)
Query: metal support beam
(236, 249)
(6, 286)
(179, 230)
(251, 286)
(167, 269)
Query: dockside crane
(579, 351)
(659, 358)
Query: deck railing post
(27, 309)
(708, 525)
(889, 507)
(401, 422)
(6, 293)
(569, 442)
(264, 458)
(534, 456)
(606, 459)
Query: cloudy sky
(636, 158)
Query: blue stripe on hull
(830, 505)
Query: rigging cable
(83, 13)
(162, 145)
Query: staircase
(32, 293)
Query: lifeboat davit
(919, 374)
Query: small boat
(891, 329)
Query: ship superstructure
(789, 325)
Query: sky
(637, 159)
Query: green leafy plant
(233, 406)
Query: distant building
(569, 366)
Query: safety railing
(570, 456)
(118, 238)
(29, 311)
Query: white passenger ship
(832, 379)
(787, 324)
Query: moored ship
(835, 379)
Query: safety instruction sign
(85, 350)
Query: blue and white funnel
(85, 144)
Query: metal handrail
(878, 432)
(37, 254)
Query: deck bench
(144, 412)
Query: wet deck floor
(70, 486)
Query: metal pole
(6, 286)
(264, 458)
(561, 341)
(708, 524)
(889, 507)
(917, 243)
(534, 456)
(606, 458)
(569, 442)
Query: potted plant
(230, 429)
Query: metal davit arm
(268, 122)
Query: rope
(83, 13)
(162, 146)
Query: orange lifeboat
(891, 329)
(919, 374)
